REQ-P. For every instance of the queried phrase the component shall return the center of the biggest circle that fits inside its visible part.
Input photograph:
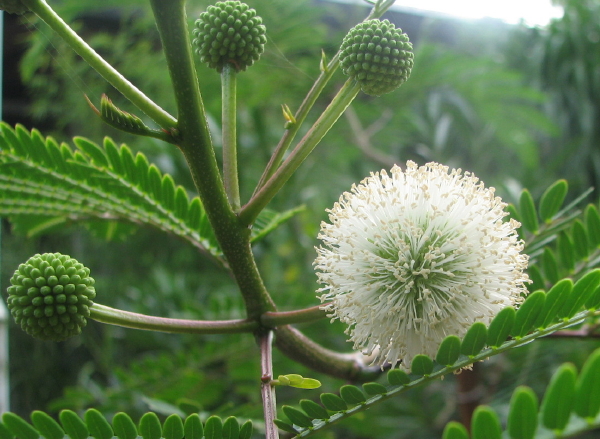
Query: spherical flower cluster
(378, 55)
(50, 296)
(13, 6)
(229, 32)
(411, 258)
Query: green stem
(230, 168)
(196, 145)
(326, 74)
(331, 114)
(108, 72)
(127, 319)
(274, 319)
(298, 347)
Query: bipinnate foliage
(44, 185)
(95, 425)
(542, 313)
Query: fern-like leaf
(44, 186)
(95, 425)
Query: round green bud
(378, 55)
(13, 7)
(43, 304)
(229, 32)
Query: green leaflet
(522, 417)
(559, 397)
(528, 212)
(449, 351)
(474, 340)
(44, 186)
(352, 394)
(421, 365)
(72, 427)
(552, 199)
(485, 424)
(455, 430)
(500, 327)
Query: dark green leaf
(587, 390)
(374, 389)
(449, 351)
(352, 394)
(580, 240)
(213, 429)
(73, 425)
(500, 327)
(19, 427)
(566, 252)
(485, 424)
(550, 265)
(173, 428)
(527, 314)
(192, 427)
(333, 402)
(93, 151)
(97, 425)
(284, 426)
(123, 426)
(167, 191)
(552, 199)
(155, 181)
(455, 430)
(554, 305)
(297, 417)
(592, 223)
(559, 398)
(522, 416)
(421, 365)
(474, 340)
(195, 213)
(397, 377)
(537, 280)
(128, 164)
(181, 204)
(141, 167)
(150, 427)
(527, 212)
(313, 410)
(231, 428)
(582, 291)
(46, 426)
(245, 430)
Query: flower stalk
(229, 133)
(308, 143)
(126, 319)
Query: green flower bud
(50, 296)
(377, 55)
(229, 32)
(13, 6)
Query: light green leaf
(213, 429)
(73, 425)
(527, 212)
(19, 427)
(46, 426)
(587, 390)
(455, 430)
(150, 427)
(192, 427)
(449, 351)
(500, 327)
(559, 398)
(97, 425)
(474, 340)
(527, 313)
(592, 223)
(231, 428)
(374, 389)
(485, 424)
(173, 428)
(123, 426)
(522, 416)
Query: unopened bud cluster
(13, 6)
(378, 55)
(229, 32)
(50, 296)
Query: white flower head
(411, 258)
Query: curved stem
(298, 347)
(228, 114)
(274, 319)
(108, 72)
(127, 319)
(312, 138)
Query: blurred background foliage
(518, 106)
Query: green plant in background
(435, 286)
